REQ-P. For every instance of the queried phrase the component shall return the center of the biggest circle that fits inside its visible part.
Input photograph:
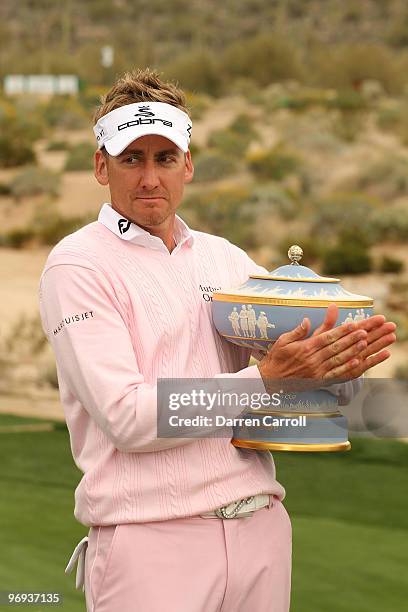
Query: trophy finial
(295, 254)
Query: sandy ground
(43, 407)
(19, 276)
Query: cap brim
(116, 145)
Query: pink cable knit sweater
(120, 312)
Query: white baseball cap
(117, 129)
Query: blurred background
(300, 135)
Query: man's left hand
(380, 334)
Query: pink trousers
(192, 564)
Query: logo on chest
(207, 291)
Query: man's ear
(189, 170)
(101, 168)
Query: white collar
(127, 230)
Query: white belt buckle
(224, 512)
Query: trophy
(254, 315)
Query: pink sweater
(120, 312)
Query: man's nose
(149, 178)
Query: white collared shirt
(127, 230)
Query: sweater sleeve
(85, 323)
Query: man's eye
(166, 159)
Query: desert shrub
(48, 376)
(32, 181)
(340, 212)
(347, 258)
(212, 166)
(390, 223)
(273, 164)
(90, 97)
(386, 177)
(26, 338)
(229, 142)
(17, 238)
(5, 189)
(224, 212)
(247, 88)
(347, 126)
(46, 227)
(196, 71)
(401, 321)
(401, 372)
(346, 67)
(80, 157)
(194, 149)
(390, 265)
(269, 198)
(57, 145)
(266, 58)
(243, 124)
(306, 97)
(393, 117)
(397, 35)
(65, 112)
(197, 104)
(54, 227)
(389, 115)
(16, 145)
(29, 116)
(347, 101)
(397, 297)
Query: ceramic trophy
(254, 315)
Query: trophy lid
(293, 285)
(294, 271)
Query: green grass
(350, 527)
(37, 528)
(348, 511)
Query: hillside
(262, 40)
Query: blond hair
(140, 86)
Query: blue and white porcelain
(257, 312)
(254, 315)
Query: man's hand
(342, 352)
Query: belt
(241, 508)
(238, 509)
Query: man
(251, 321)
(185, 525)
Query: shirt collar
(127, 230)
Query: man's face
(146, 180)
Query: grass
(348, 511)
(350, 527)
(37, 528)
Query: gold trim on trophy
(321, 279)
(284, 446)
(241, 299)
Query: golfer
(175, 524)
